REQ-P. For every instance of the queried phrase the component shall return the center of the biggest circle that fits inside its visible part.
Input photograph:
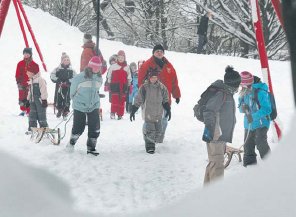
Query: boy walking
(154, 98)
(37, 100)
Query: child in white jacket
(37, 100)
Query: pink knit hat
(95, 63)
(247, 78)
(121, 53)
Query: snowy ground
(123, 179)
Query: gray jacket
(152, 97)
(222, 104)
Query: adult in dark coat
(219, 120)
(202, 31)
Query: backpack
(273, 113)
(200, 107)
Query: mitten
(167, 108)
(249, 117)
(207, 135)
(64, 85)
(26, 103)
(245, 108)
(44, 103)
(177, 100)
(133, 112)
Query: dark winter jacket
(260, 115)
(62, 74)
(222, 104)
(203, 25)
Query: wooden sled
(229, 152)
(37, 134)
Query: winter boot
(22, 113)
(91, 146)
(72, 142)
(112, 115)
(119, 118)
(150, 147)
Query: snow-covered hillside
(124, 179)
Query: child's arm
(43, 89)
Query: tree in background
(174, 23)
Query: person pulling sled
(61, 76)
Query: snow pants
(152, 132)
(62, 101)
(256, 138)
(23, 93)
(79, 121)
(37, 113)
(216, 149)
(118, 103)
(164, 123)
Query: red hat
(121, 53)
(247, 78)
(95, 63)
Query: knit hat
(64, 56)
(232, 77)
(133, 64)
(87, 36)
(113, 58)
(247, 78)
(121, 53)
(152, 72)
(27, 50)
(95, 63)
(157, 47)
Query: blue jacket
(260, 116)
(85, 92)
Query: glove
(64, 85)
(26, 103)
(177, 100)
(249, 117)
(44, 103)
(207, 135)
(245, 108)
(133, 112)
(167, 108)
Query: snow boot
(91, 146)
(112, 115)
(72, 142)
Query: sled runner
(37, 134)
(229, 152)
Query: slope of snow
(124, 179)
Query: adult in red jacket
(119, 79)
(27, 64)
(88, 52)
(167, 76)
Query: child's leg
(158, 132)
(93, 129)
(33, 115)
(149, 136)
(41, 114)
